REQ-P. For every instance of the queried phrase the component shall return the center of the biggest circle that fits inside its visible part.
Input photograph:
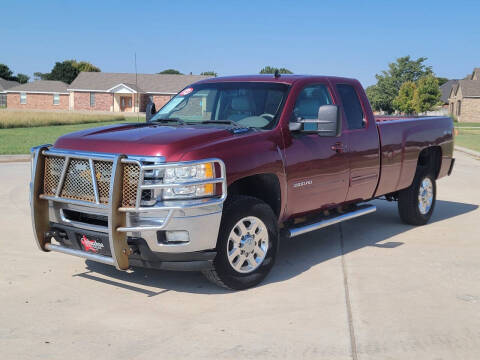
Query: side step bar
(359, 211)
(83, 254)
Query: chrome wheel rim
(425, 196)
(247, 244)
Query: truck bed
(401, 141)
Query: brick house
(464, 99)
(123, 92)
(39, 95)
(4, 86)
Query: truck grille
(78, 183)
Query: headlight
(184, 174)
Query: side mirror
(150, 111)
(328, 122)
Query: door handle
(338, 147)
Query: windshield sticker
(186, 91)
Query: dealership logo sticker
(186, 91)
(91, 245)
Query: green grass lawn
(466, 124)
(470, 141)
(20, 140)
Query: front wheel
(416, 203)
(247, 244)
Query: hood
(142, 139)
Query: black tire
(408, 202)
(235, 209)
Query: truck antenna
(136, 104)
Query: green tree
(66, 71)
(404, 102)
(22, 78)
(85, 66)
(170, 72)
(63, 71)
(427, 94)
(389, 81)
(209, 73)
(441, 80)
(5, 72)
(271, 70)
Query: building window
(92, 99)
(56, 99)
(23, 98)
(459, 107)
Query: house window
(92, 99)
(459, 107)
(23, 98)
(56, 99)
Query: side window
(308, 102)
(352, 107)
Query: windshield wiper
(229, 122)
(177, 120)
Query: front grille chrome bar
(115, 204)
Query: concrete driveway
(371, 288)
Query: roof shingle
(47, 86)
(469, 87)
(446, 89)
(7, 84)
(149, 83)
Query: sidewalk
(14, 158)
(473, 153)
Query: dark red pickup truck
(212, 180)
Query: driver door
(316, 166)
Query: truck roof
(283, 78)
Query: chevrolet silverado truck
(226, 168)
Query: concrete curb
(14, 158)
(473, 153)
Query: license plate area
(93, 243)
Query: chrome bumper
(200, 218)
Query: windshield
(256, 105)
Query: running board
(359, 211)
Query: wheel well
(431, 157)
(265, 187)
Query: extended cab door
(316, 166)
(362, 140)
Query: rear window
(352, 107)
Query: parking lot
(370, 288)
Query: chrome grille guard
(115, 206)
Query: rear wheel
(416, 203)
(247, 244)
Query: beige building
(464, 99)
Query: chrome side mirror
(328, 122)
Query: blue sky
(343, 37)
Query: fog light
(177, 236)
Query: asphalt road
(371, 288)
